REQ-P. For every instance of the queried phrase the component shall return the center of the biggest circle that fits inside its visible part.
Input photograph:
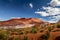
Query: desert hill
(21, 22)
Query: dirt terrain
(40, 31)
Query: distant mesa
(22, 22)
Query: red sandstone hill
(18, 21)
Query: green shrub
(48, 34)
(25, 37)
(20, 33)
(41, 30)
(33, 26)
(34, 30)
(3, 36)
(26, 32)
(50, 28)
(7, 32)
(18, 39)
(45, 36)
(58, 26)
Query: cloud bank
(53, 11)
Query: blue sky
(26, 8)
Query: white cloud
(42, 13)
(31, 5)
(55, 3)
(52, 21)
(56, 17)
(52, 11)
(15, 18)
(49, 11)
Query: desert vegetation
(32, 33)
